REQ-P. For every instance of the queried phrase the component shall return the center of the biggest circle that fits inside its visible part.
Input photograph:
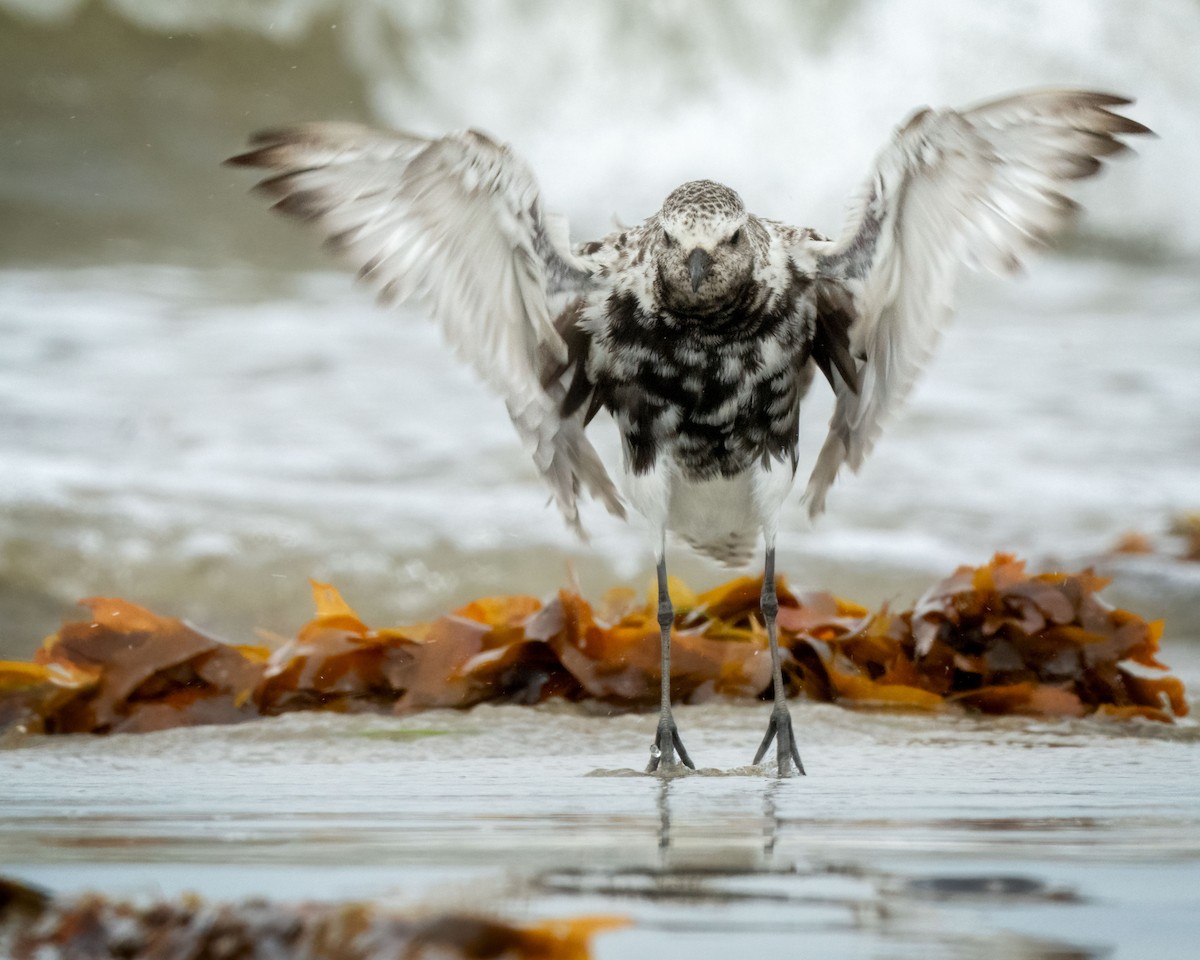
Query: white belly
(721, 518)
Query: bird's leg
(666, 741)
(780, 726)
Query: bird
(702, 329)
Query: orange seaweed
(34, 924)
(861, 690)
(992, 639)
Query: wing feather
(979, 187)
(457, 224)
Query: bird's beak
(699, 263)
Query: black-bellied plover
(701, 329)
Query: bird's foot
(786, 753)
(666, 744)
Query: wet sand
(913, 836)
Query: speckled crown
(702, 197)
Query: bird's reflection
(664, 817)
(770, 818)
(770, 824)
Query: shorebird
(701, 329)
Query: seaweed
(991, 639)
(37, 926)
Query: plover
(701, 329)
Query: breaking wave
(128, 104)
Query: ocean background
(199, 412)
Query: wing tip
(251, 158)
(1100, 98)
(301, 204)
(290, 145)
(1117, 124)
(1077, 99)
(265, 147)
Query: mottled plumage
(710, 379)
(701, 329)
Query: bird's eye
(735, 237)
(670, 240)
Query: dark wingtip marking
(1083, 167)
(271, 135)
(281, 184)
(270, 148)
(387, 294)
(340, 242)
(280, 136)
(1118, 123)
(303, 204)
(269, 155)
(252, 158)
(1104, 99)
(371, 266)
(1070, 206)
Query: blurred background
(198, 411)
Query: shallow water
(912, 836)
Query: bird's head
(705, 249)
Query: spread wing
(457, 224)
(979, 187)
